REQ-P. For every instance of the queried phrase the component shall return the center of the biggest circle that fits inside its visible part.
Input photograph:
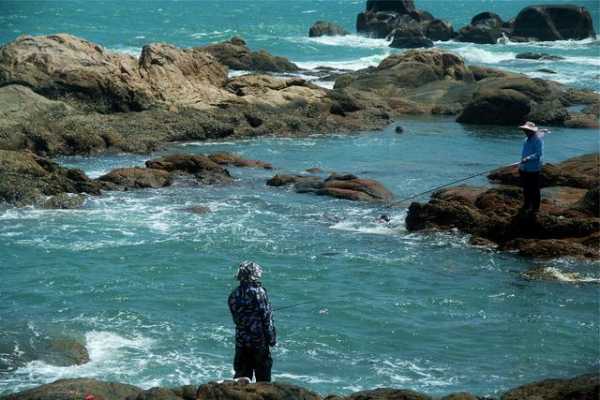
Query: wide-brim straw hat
(529, 126)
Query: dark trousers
(531, 190)
(250, 361)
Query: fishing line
(399, 202)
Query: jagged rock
(85, 75)
(201, 167)
(324, 28)
(582, 387)
(538, 56)
(136, 178)
(237, 161)
(554, 22)
(27, 179)
(236, 55)
(77, 389)
(580, 172)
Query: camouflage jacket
(253, 316)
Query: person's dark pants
(250, 361)
(531, 190)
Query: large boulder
(65, 352)
(485, 28)
(554, 22)
(84, 74)
(438, 29)
(325, 28)
(387, 394)
(27, 179)
(398, 6)
(77, 389)
(584, 387)
(512, 100)
(579, 172)
(409, 37)
(236, 55)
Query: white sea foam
(355, 64)
(571, 277)
(346, 41)
(475, 54)
(131, 50)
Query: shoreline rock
(325, 28)
(580, 387)
(567, 225)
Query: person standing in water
(254, 328)
(531, 166)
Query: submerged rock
(237, 161)
(347, 187)
(324, 28)
(201, 167)
(65, 352)
(485, 28)
(538, 56)
(136, 178)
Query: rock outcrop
(542, 22)
(538, 56)
(82, 99)
(582, 387)
(236, 55)
(402, 21)
(237, 161)
(567, 224)
(325, 28)
(485, 28)
(27, 179)
(348, 187)
(553, 22)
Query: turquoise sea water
(144, 283)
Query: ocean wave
(560, 44)
(474, 54)
(131, 50)
(356, 41)
(355, 64)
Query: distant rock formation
(535, 23)
(325, 28)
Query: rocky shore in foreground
(583, 387)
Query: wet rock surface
(567, 224)
(135, 178)
(553, 22)
(325, 28)
(27, 179)
(348, 187)
(582, 387)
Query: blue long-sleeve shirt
(533, 151)
(253, 316)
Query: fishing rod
(399, 202)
